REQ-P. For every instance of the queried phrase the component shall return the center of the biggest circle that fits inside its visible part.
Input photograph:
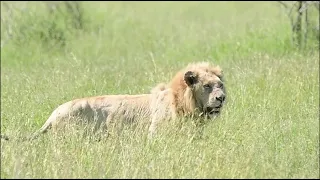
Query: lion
(196, 90)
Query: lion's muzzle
(214, 106)
(221, 97)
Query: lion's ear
(190, 78)
(219, 72)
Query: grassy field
(269, 127)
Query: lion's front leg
(153, 127)
(157, 120)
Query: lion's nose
(221, 97)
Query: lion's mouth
(211, 110)
(214, 112)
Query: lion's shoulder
(160, 87)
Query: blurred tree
(302, 9)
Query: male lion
(197, 90)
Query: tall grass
(269, 127)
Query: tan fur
(183, 96)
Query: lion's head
(199, 88)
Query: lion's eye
(207, 86)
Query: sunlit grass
(268, 129)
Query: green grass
(269, 127)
